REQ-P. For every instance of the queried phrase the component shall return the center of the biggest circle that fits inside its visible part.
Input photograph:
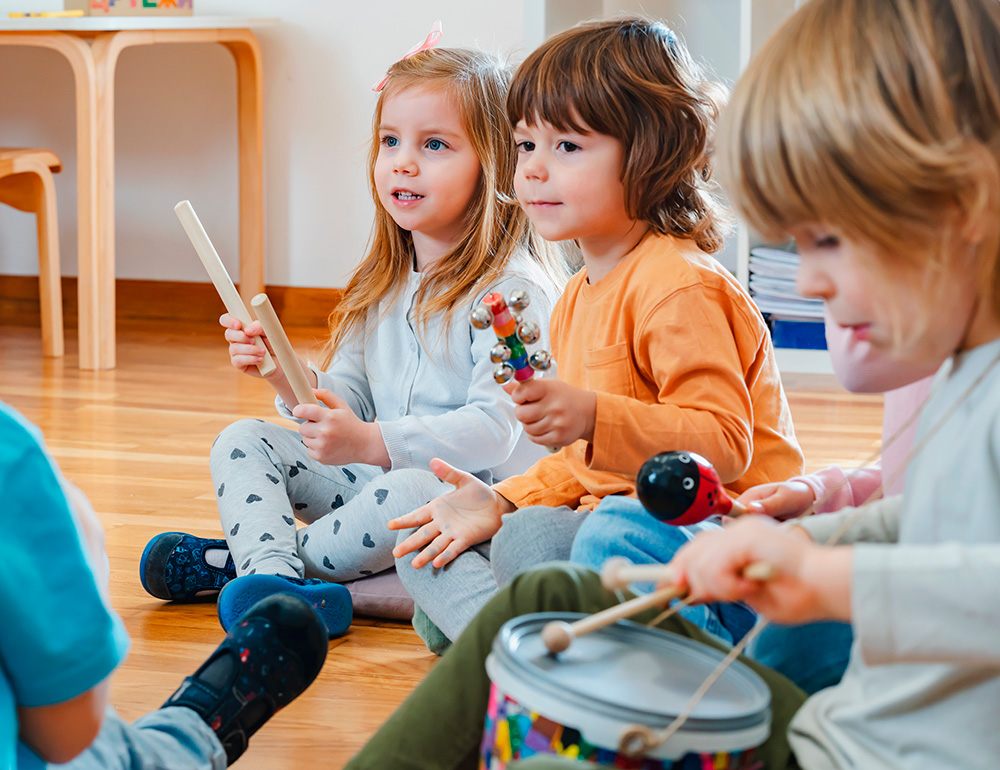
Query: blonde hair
(881, 120)
(633, 79)
(495, 227)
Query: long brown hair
(879, 119)
(495, 227)
(634, 80)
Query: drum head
(633, 674)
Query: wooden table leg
(97, 281)
(94, 75)
(243, 45)
(81, 61)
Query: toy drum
(579, 703)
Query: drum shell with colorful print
(577, 704)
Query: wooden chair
(26, 184)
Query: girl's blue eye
(390, 141)
(569, 146)
(435, 144)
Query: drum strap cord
(638, 740)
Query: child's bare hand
(779, 500)
(553, 413)
(453, 522)
(812, 582)
(243, 353)
(333, 434)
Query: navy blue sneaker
(269, 657)
(331, 600)
(173, 567)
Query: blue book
(802, 335)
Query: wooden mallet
(558, 635)
(217, 272)
(283, 350)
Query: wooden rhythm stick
(283, 350)
(217, 272)
(558, 635)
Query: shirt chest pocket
(609, 370)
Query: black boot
(267, 659)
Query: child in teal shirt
(61, 641)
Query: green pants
(440, 725)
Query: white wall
(175, 131)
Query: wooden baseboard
(163, 300)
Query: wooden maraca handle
(283, 350)
(558, 635)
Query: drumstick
(558, 635)
(283, 350)
(217, 272)
(618, 573)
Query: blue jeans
(620, 526)
(813, 655)
(167, 739)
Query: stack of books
(795, 321)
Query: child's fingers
(548, 439)
(759, 492)
(247, 352)
(417, 540)
(528, 391)
(230, 321)
(245, 361)
(529, 414)
(311, 412)
(255, 329)
(447, 473)
(238, 337)
(454, 549)
(331, 399)
(415, 518)
(431, 552)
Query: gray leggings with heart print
(265, 480)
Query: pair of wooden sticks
(616, 574)
(261, 305)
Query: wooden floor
(136, 440)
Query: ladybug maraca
(513, 361)
(682, 488)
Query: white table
(92, 46)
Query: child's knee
(554, 587)
(242, 436)
(411, 487)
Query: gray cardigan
(922, 690)
(432, 389)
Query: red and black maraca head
(681, 488)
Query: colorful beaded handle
(513, 333)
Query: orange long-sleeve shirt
(680, 359)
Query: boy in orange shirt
(658, 346)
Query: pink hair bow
(428, 43)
